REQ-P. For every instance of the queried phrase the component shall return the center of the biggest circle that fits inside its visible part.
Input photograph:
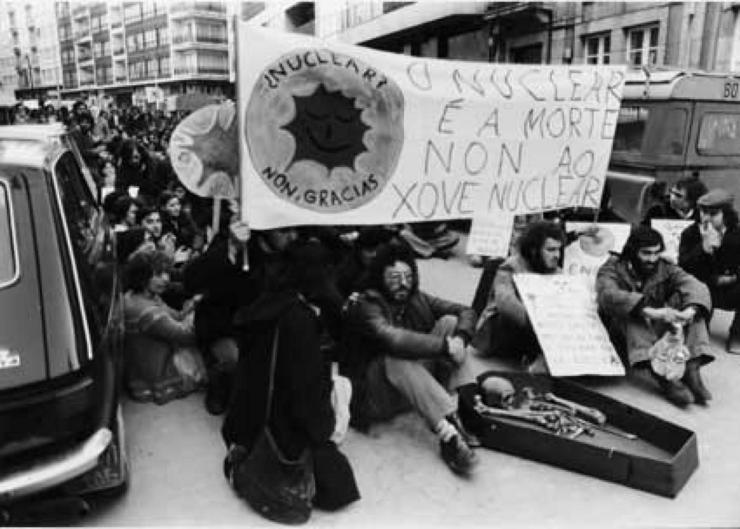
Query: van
(61, 328)
(673, 124)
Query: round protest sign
(324, 130)
(204, 151)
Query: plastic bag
(669, 354)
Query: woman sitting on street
(161, 360)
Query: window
(7, 247)
(132, 13)
(719, 134)
(597, 49)
(163, 37)
(630, 129)
(642, 46)
(151, 68)
(164, 66)
(150, 39)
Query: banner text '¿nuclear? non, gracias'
(313, 58)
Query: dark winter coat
(621, 293)
(706, 267)
(302, 415)
(374, 328)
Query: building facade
(688, 35)
(144, 52)
(29, 49)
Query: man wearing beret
(643, 296)
(710, 250)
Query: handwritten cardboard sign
(339, 134)
(491, 234)
(564, 315)
(671, 230)
(591, 248)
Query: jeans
(396, 385)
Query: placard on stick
(490, 234)
(564, 316)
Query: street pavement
(176, 456)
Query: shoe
(674, 390)
(465, 431)
(693, 381)
(458, 455)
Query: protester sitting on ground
(681, 201)
(710, 250)
(136, 169)
(130, 241)
(161, 359)
(352, 273)
(282, 326)
(175, 221)
(642, 296)
(504, 328)
(124, 213)
(397, 337)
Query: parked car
(61, 327)
(674, 124)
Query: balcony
(202, 70)
(84, 57)
(201, 9)
(82, 34)
(80, 11)
(87, 82)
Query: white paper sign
(671, 230)
(491, 235)
(564, 315)
(338, 134)
(591, 249)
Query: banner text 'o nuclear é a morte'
(339, 134)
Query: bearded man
(504, 328)
(642, 296)
(405, 349)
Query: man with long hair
(710, 250)
(504, 328)
(406, 349)
(643, 296)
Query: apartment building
(29, 49)
(144, 52)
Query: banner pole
(240, 127)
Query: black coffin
(660, 461)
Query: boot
(692, 379)
(674, 390)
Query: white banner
(564, 316)
(339, 134)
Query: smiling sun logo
(324, 130)
(327, 128)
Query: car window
(91, 244)
(630, 132)
(8, 253)
(719, 134)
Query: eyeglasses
(709, 211)
(677, 193)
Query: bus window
(630, 131)
(719, 134)
(673, 124)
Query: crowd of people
(309, 330)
